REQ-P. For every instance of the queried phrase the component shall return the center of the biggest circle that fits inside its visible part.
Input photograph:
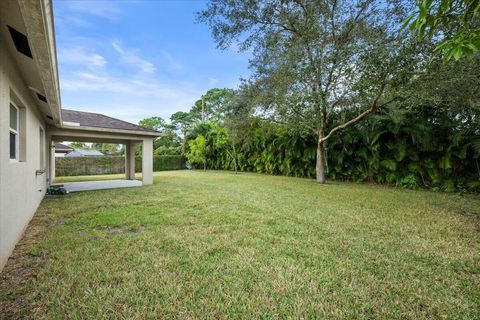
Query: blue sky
(137, 59)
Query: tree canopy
(454, 23)
(155, 123)
(312, 59)
(212, 105)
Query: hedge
(163, 163)
(79, 166)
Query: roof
(62, 147)
(83, 152)
(89, 119)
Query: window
(42, 149)
(14, 128)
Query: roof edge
(101, 129)
(66, 124)
(38, 19)
(104, 115)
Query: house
(32, 119)
(84, 153)
(62, 149)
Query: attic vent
(42, 97)
(50, 117)
(21, 42)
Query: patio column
(130, 161)
(51, 171)
(147, 161)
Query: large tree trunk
(320, 164)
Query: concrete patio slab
(99, 185)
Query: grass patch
(219, 245)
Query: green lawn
(218, 245)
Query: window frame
(16, 133)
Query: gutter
(111, 130)
(38, 20)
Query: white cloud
(104, 9)
(81, 56)
(72, 20)
(130, 98)
(128, 86)
(85, 81)
(132, 57)
(172, 63)
(119, 78)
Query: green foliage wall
(411, 149)
(270, 149)
(76, 166)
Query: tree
(455, 22)
(198, 151)
(313, 59)
(224, 141)
(168, 141)
(79, 145)
(108, 148)
(212, 105)
(452, 87)
(155, 123)
(182, 121)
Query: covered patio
(98, 128)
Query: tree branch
(373, 108)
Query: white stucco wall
(21, 190)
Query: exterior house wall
(21, 190)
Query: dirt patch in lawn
(112, 231)
(473, 216)
(469, 214)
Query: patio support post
(147, 161)
(51, 171)
(129, 160)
